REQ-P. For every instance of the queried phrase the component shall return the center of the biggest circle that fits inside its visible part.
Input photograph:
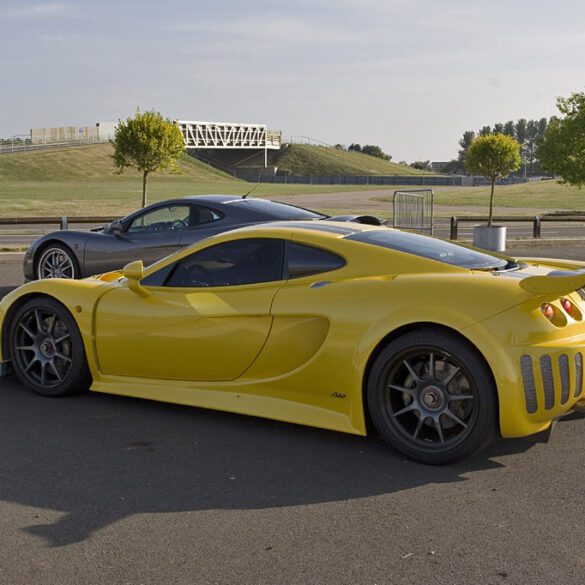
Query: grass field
(82, 181)
(302, 159)
(543, 195)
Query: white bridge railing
(227, 135)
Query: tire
(432, 397)
(57, 261)
(46, 349)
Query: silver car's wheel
(57, 262)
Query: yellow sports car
(440, 347)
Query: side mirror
(134, 273)
(116, 228)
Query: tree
(529, 149)
(562, 150)
(494, 157)
(376, 151)
(453, 167)
(464, 143)
(509, 128)
(148, 142)
(421, 165)
(354, 147)
(520, 130)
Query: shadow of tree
(98, 459)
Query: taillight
(548, 311)
(571, 309)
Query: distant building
(100, 132)
(106, 130)
(438, 166)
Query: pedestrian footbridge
(223, 135)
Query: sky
(408, 75)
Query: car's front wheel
(431, 396)
(46, 349)
(57, 261)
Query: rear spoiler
(556, 282)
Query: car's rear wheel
(47, 350)
(432, 397)
(57, 261)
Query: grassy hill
(303, 159)
(84, 162)
(82, 181)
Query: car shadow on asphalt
(97, 459)
(4, 290)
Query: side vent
(528, 383)
(578, 374)
(565, 382)
(548, 383)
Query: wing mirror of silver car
(134, 273)
(116, 228)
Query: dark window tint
(158, 278)
(431, 248)
(205, 215)
(276, 210)
(245, 261)
(305, 260)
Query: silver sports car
(154, 232)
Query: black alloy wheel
(431, 396)
(46, 349)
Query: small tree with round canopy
(148, 142)
(493, 156)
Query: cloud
(41, 10)
(276, 30)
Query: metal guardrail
(62, 221)
(536, 222)
(7, 147)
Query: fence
(535, 220)
(7, 146)
(63, 221)
(413, 210)
(408, 180)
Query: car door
(302, 311)
(148, 236)
(208, 321)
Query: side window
(161, 219)
(205, 215)
(245, 261)
(305, 260)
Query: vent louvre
(528, 383)
(565, 382)
(547, 381)
(578, 373)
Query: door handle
(320, 284)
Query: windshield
(431, 248)
(276, 210)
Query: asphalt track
(107, 490)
